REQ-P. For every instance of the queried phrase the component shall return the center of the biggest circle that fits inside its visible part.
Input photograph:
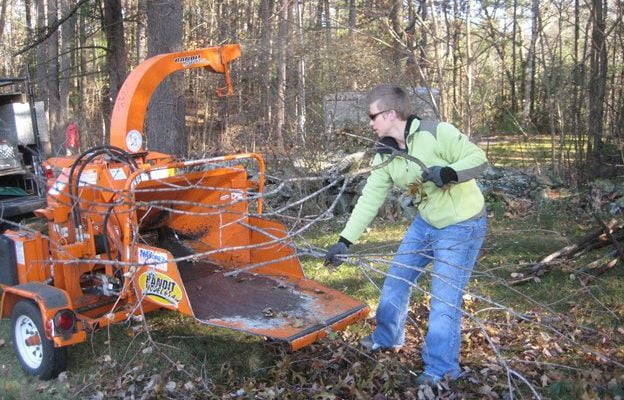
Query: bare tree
(165, 117)
(282, 59)
(116, 57)
(3, 8)
(529, 88)
(597, 84)
(52, 77)
(68, 38)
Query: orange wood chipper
(131, 231)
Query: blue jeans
(453, 251)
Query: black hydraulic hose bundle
(116, 154)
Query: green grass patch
(524, 152)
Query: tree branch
(51, 29)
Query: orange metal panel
(32, 256)
(294, 310)
(158, 280)
(279, 258)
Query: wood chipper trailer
(131, 231)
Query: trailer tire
(40, 359)
(8, 262)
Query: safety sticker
(19, 253)
(160, 288)
(118, 174)
(88, 177)
(237, 195)
(57, 188)
(162, 173)
(155, 259)
(60, 183)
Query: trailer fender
(48, 298)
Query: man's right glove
(339, 249)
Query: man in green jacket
(448, 230)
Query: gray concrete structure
(346, 109)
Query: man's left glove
(440, 176)
(339, 249)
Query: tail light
(49, 174)
(64, 321)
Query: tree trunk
(266, 10)
(301, 71)
(140, 32)
(116, 58)
(530, 66)
(29, 22)
(514, 34)
(165, 116)
(597, 85)
(438, 62)
(68, 37)
(352, 16)
(40, 65)
(3, 8)
(280, 100)
(468, 111)
(52, 79)
(396, 18)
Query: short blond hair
(390, 97)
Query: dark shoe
(426, 379)
(368, 343)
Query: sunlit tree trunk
(301, 69)
(280, 100)
(438, 62)
(52, 78)
(468, 110)
(529, 75)
(68, 38)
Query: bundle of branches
(606, 234)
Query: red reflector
(64, 321)
(48, 172)
(49, 328)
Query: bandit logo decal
(188, 60)
(160, 288)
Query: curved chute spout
(131, 104)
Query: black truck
(23, 138)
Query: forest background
(510, 67)
(512, 70)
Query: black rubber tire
(53, 359)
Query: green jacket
(440, 207)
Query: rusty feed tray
(294, 310)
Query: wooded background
(513, 67)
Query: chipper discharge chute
(131, 231)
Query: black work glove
(440, 176)
(339, 249)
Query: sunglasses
(373, 116)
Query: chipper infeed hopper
(131, 231)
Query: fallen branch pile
(607, 234)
